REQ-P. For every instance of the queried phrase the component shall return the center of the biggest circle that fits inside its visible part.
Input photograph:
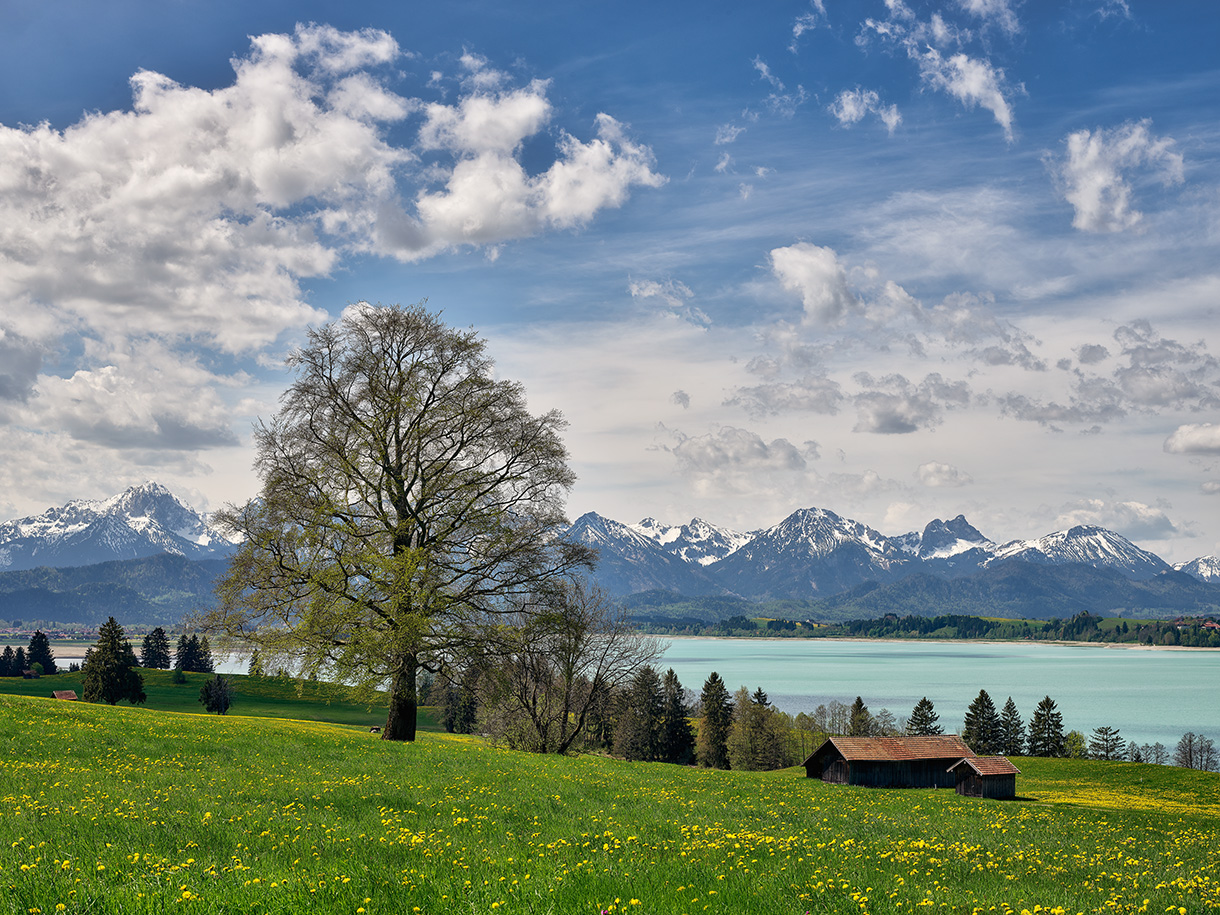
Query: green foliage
(1106, 743)
(714, 723)
(109, 673)
(1046, 730)
(154, 653)
(216, 695)
(193, 654)
(1075, 746)
(758, 739)
(860, 720)
(638, 735)
(677, 738)
(40, 653)
(1012, 730)
(923, 720)
(981, 729)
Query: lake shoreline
(848, 638)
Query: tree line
(37, 658)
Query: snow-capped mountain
(630, 561)
(697, 541)
(1089, 545)
(1205, 568)
(810, 553)
(146, 520)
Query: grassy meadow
(135, 810)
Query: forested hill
(154, 590)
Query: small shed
(68, 694)
(985, 776)
(888, 762)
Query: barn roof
(897, 749)
(988, 765)
(68, 694)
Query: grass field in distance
(134, 810)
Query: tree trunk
(400, 722)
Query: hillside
(207, 814)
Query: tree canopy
(110, 669)
(409, 500)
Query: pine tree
(8, 663)
(1106, 743)
(206, 665)
(39, 652)
(20, 663)
(714, 724)
(110, 673)
(154, 652)
(677, 739)
(638, 735)
(1012, 730)
(981, 730)
(1046, 730)
(923, 720)
(756, 741)
(860, 721)
(182, 653)
(216, 695)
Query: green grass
(259, 697)
(122, 810)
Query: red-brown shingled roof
(901, 748)
(988, 765)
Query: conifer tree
(8, 662)
(638, 735)
(860, 720)
(677, 740)
(1046, 730)
(20, 662)
(1106, 743)
(110, 672)
(39, 652)
(154, 652)
(182, 653)
(216, 695)
(757, 740)
(981, 730)
(1012, 730)
(714, 723)
(923, 720)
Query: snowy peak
(145, 520)
(1205, 568)
(818, 532)
(945, 539)
(698, 541)
(1089, 545)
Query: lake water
(1150, 695)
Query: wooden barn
(888, 762)
(985, 776)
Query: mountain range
(841, 565)
(149, 552)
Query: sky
(894, 259)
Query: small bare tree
(555, 665)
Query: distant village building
(985, 776)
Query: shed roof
(897, 749)
(988, 765)
(68, 694)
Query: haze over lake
(1150, 695)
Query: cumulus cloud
(1194, 438)
(731, 460)
(20, 360)
(1094, 175)
(936, 45)
(672, 296)
(1091, 353)
(937, 474)
(816, 275)
(852, 105)
(1210, 488)
(809, 394)
(681, 399)
(232, 196)
(993, 12)
(1134, 520)
(892, 405)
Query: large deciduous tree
(409, 499)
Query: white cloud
(852, 105)
(1210, 488)
(816, 275)
(997, 12)
(971, 81)
(674, 296)
(807, 22)
(731, 460)
(894, 406)
(938, 474)
(727, 133)
(1194, 438)
(1134, 520)
(1094, 175)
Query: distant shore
(853, 638)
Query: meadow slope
(122, 810)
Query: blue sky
(898, 260)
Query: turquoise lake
(1150, 695)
